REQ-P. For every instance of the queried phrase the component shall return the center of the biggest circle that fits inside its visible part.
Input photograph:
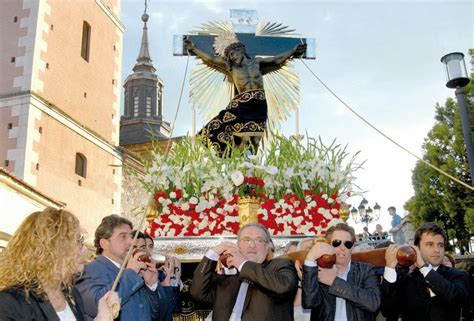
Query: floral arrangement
(300, 187)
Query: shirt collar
(115, 263)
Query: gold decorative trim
(248, 208)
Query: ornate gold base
(248, 208)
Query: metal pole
(466, 128)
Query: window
(86, 40)
(148, 106)
(135, 106)
(81, 165)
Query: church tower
(143, 109)
(60, 101)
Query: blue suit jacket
(138, 302)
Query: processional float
(293, 187)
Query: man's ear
(104, 244)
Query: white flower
(252, 157)
(212, 225)
(172, 195)
(237, 178)
(327, 215)
(202, 205)
(272, 170)
(289, 172)
(185, 206)
(193, 200)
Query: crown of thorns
(231, 47)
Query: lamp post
(456, 74)
(364, 213)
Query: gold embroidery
(229, 117)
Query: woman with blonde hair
(37, 271)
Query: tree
(437, 198)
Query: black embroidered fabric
(244, 117)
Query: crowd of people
(43, 276)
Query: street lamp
(364, 213)
(456, 74)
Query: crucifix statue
(245, 60)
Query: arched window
(81, 165)
(86, 40)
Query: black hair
(429, 228)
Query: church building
(60, 88)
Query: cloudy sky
(380, 57)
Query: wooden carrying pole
(376, 257)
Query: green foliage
(437, 198)
(287, 166)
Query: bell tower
(143, 108)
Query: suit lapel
(247, 298)
(250, 289)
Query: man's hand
(109, 307)
(177, 267)
(327, 276)
(188, 44)
(299, 50)
(167, 269)
(299, 269)
(419, 258)
(224, 246)
(391, 255)
(134, 264)
(150, 274)
(236, 258)
(319, 249)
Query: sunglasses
(347, 244)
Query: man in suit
(253, 288)
(429, 291)
(138, 288)
(348, 291)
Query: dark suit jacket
(361, 292)
(410, 296)
(271, 292)
(138, 302)
(15, 306)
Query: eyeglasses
(258, 240)
(347, 244)
(80, 239)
